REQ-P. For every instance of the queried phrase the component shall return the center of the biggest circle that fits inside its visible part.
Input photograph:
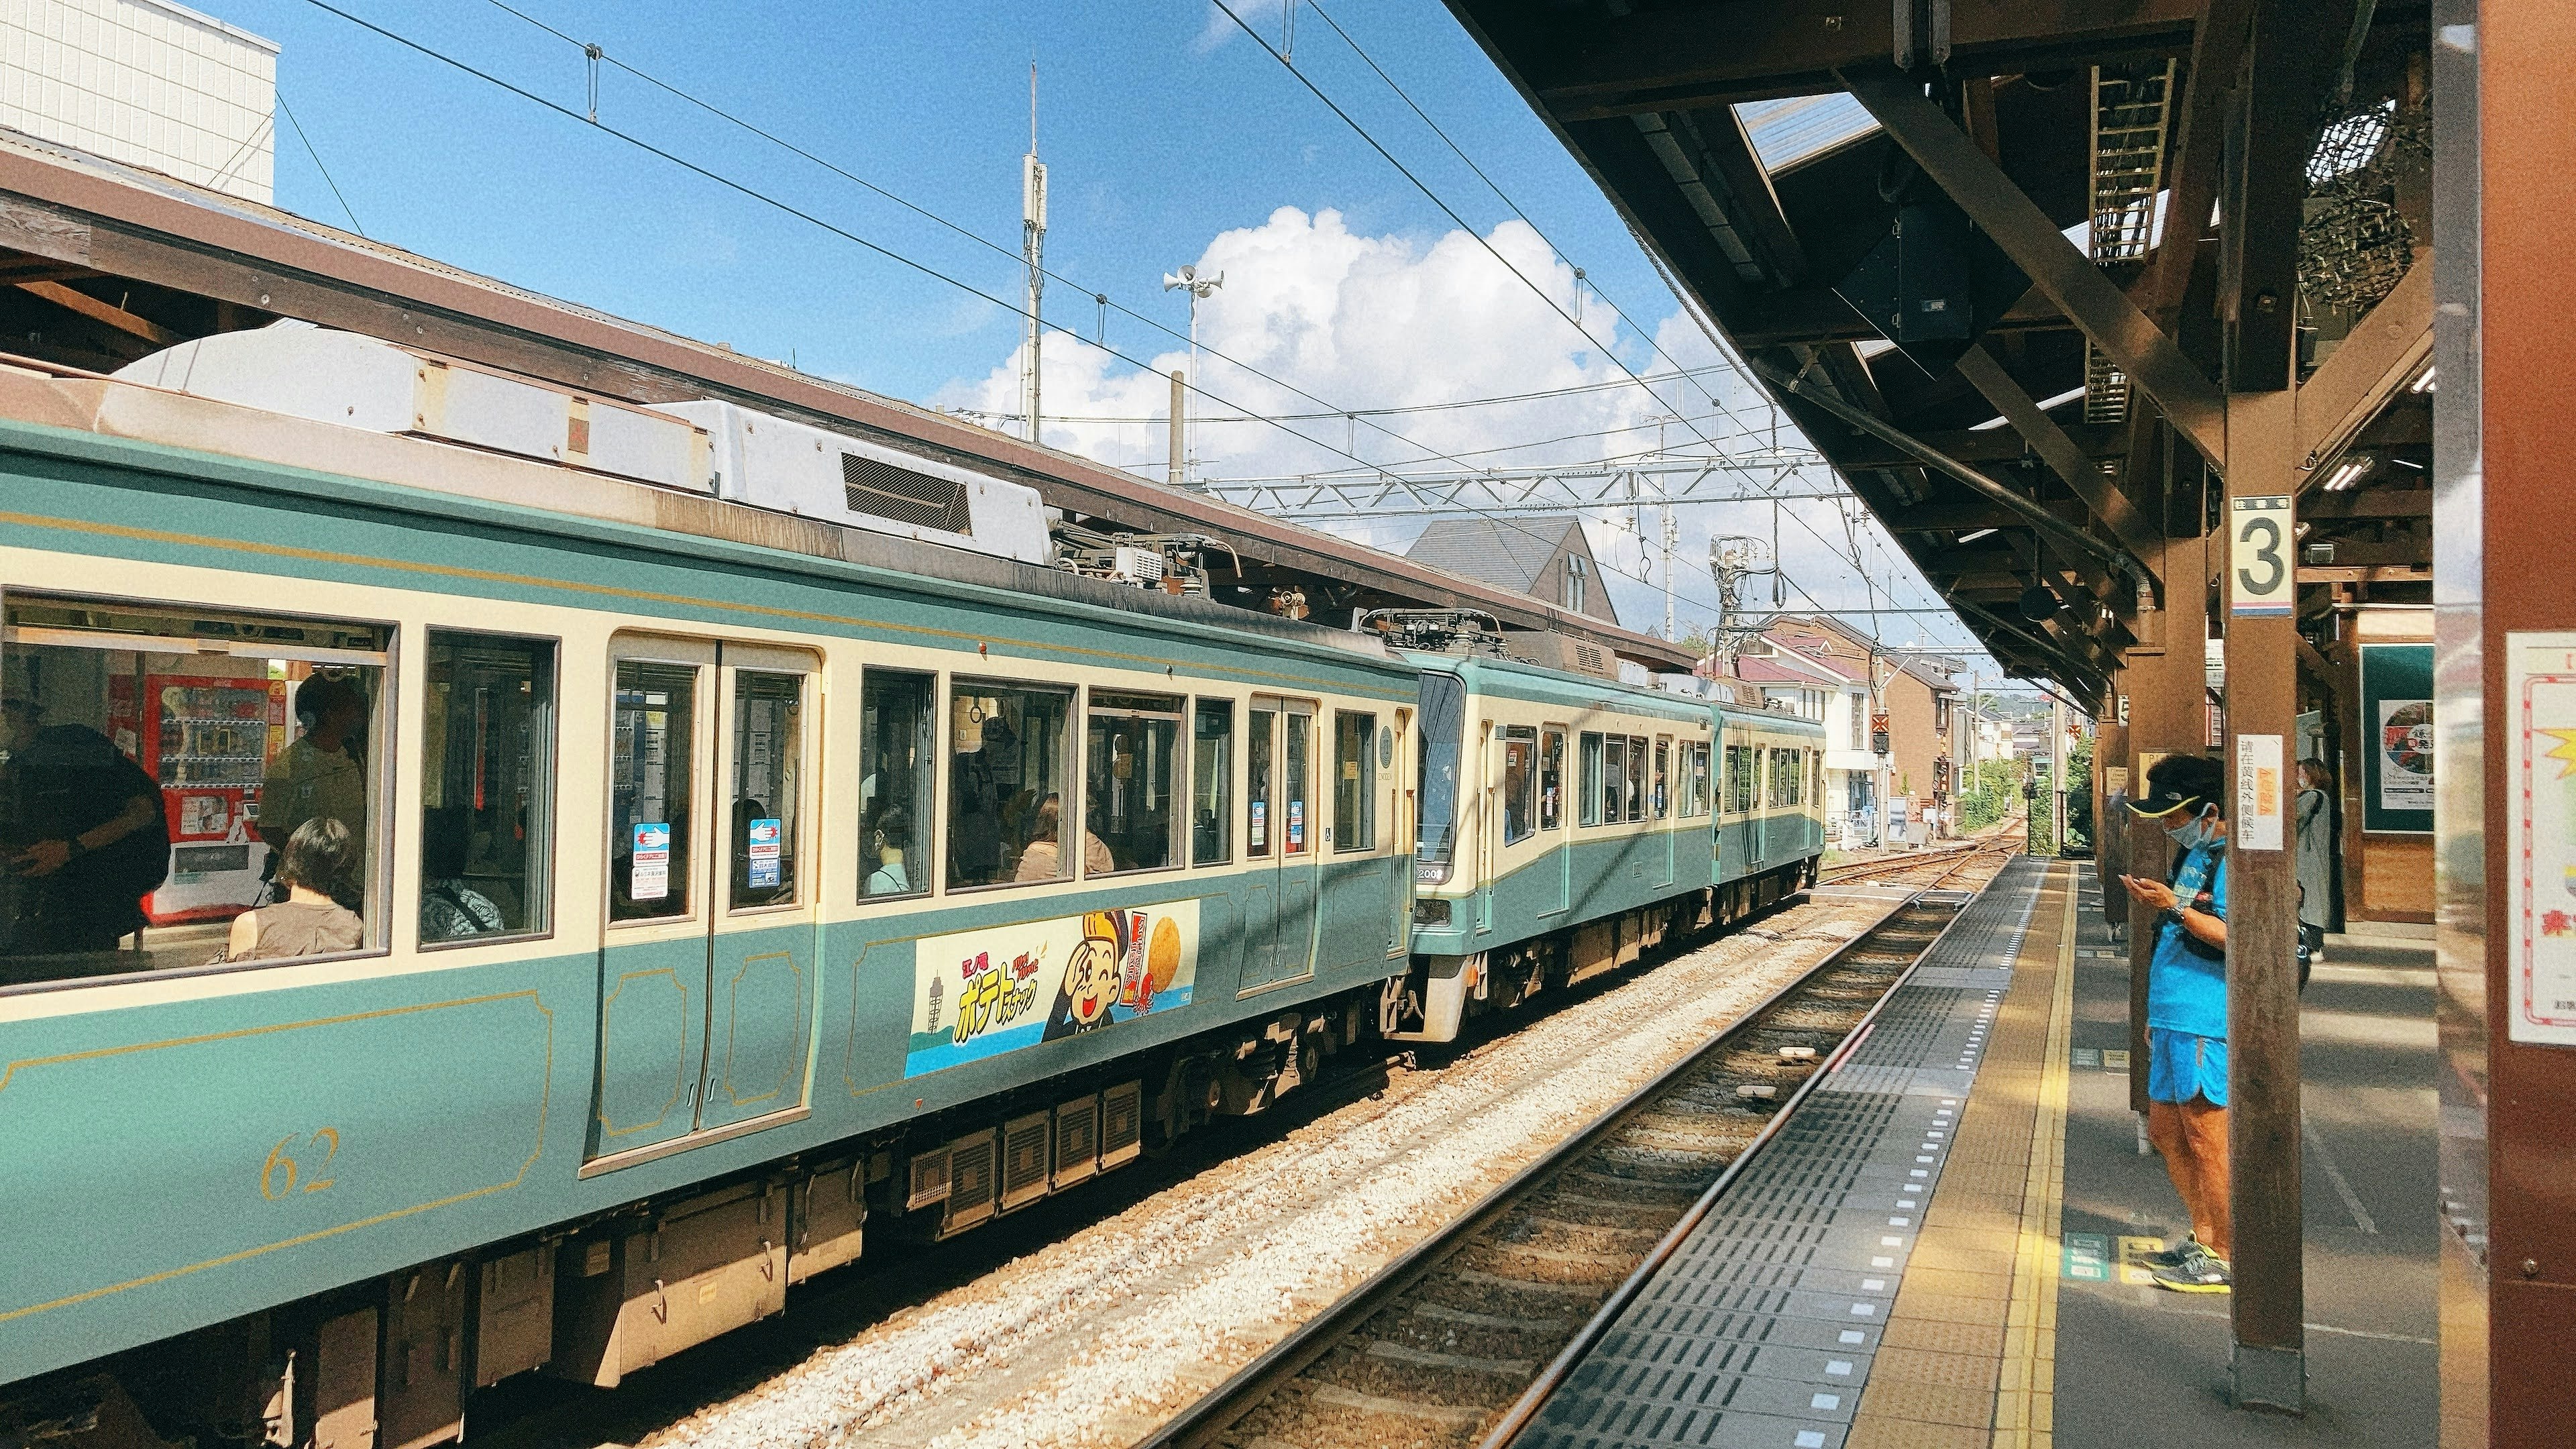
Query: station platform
(1933, 1253)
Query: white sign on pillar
(2261, 583)
(2258, 793)
(2540, 852)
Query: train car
(703, 894)
(1569, 823)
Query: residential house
(1835, 693)
(1546, 557)
(1916, 692)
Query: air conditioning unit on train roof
(357, 381)
(704, 447)
(771, 462)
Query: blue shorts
(2181, 1066)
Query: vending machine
(207, 739)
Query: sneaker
(2200, 1272)
(2173, 1257)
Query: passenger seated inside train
(890, 846)
(1043, 859)
(319, 875)
(451, 909)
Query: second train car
(1568, 824)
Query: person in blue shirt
(2187, 1012)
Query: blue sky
(1170, 136)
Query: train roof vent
(887, 490)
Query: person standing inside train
(2187, 1014)
(318, 777)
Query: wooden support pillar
(2262, 904)
(2264, 184)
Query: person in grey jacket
(2314, 814)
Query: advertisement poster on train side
(980, 993)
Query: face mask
(2192, 836)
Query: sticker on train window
(762, 854)
(649, 877)
(1260, 824)
(996, 989)
(1296, 825)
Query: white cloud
(1312, 310)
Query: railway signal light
(1878, 734)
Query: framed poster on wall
(2397, 733)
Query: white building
(1819, 689)
(147, 83)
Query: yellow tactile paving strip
(1969, 1354)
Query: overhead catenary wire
(909, 263)
(595, 55)
(327, 179)
(1729, 365)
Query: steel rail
(1199, 1425)
(1535, 1397)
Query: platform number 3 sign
(2261, 578)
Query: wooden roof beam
(1591, 65)
(2377, 361)
(2091, 300)
(2059, 451)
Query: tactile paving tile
(1761, 1328)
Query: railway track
(1432, 1348)
(1938, 866)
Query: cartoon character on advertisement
(1090, 985)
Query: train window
(1520, 783)
(768, 755)
(1695, 788)
(1663, 776)
(148, 753)
(1212, 783)
(1131, 781)
(652, 782)
(487, 787)
(1297, 775)
(1435, 831)
(1589, 790)
(1261, 764)
(895, 753)
(1614, 779)
(1551, 778)
(1006, 777)
(1636, 778)
(1354, 781)
(1742, 765)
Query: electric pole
(1033, 209)
(1187, 279)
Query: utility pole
(1177, 473)
(1033, 209)
(1187, 279)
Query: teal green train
(468, 915)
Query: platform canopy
(2003, 264)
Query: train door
(1491, 770)
(1396, 762)
(1279, 921)
(1300, 848)
(1665, 803)
(1555, 823)
(1761, 765)
(706, 964)
(761, 951)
